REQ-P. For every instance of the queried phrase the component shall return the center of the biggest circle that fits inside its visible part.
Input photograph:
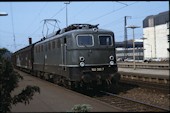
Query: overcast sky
(25, 18)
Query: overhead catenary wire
(50, 18)
(58, 12)
(36, 30)
(139, 17)
(83, 10)
(31, 23)
(9, 33)
(90, 20)
(122, 3)
(110, 12)
(54, 25)
(97, 17)
(108, 24)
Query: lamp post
(133, 27)
(66, 13)
(3, 14)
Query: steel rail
(138, 102)
(157, 86)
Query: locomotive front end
(94, 57)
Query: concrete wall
(162, 41)
(149, 42)
(156, 43)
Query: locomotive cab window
(105, 40)
(85, 40)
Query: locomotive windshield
(85, 40)
(105, 40)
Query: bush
(81, 108)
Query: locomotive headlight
(81, 58)
(111, 63)
(111, 57)
(82, 64)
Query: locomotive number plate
(97, 69)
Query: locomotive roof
(76, 31)
(73, 28)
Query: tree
(9, 81)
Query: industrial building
(156, 34)
(120, 50)
(156, 41)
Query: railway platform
(147, 75)
(155, 72)
(54, 98)
(141, 65)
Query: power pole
(14, 42)
(125, 36)
(67, 13)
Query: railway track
(132, 98)
(156, 86)
(125, 103)
(143, 77)
(130, 105)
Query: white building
(156, 32)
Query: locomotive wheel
(96, 87)
(71, 85)
(50, 77)
(34, 73)
(42, 75)
(56, 79)
(113, 86)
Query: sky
(25, 19)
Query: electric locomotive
(81, 55)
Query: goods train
(80, 55)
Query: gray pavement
(53, 98)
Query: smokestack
(30, 41)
